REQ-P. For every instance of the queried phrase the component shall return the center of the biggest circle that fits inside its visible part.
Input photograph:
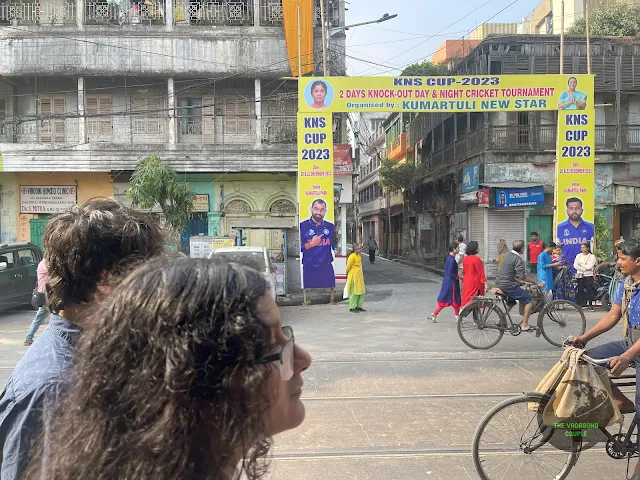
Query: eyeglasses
(285, 357)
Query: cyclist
(512, 274)
(626, 306)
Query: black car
(18, 275)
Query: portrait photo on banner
(316, 246)
(319, 94)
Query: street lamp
(334, 30)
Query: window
(52, 130)
(7, 257)
(149, 123)
(26, 257)
(196, 117)
(238, 112)
(99, 127)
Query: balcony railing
(279, 129)
(125, 12)
(19, 13)
(214, 12)
(271, 14)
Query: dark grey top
(512, 268)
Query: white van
(257, 257)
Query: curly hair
(166, 383)
(88, 243)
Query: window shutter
(208, 120)
(52, 130)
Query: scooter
(601, 282)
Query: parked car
(257, 257)
(18, 275)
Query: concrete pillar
(256, 13)
(80, 14)
(171, 97)
(168, 15)
(343, 228)
(82, 120)
(258, 101)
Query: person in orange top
(474, 281)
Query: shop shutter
(476, 228)
(507, 224)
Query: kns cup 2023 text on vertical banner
(315, 199)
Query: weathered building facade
(89, 87)
(498, 151)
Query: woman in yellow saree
(355, 281)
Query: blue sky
(417, 20)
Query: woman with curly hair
(187, 374)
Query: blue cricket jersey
(572, 237)
(322, 254)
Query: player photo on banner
(316, 239)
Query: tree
(613, 20)
(603, 237)
(425, 69)
(154, 182)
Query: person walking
(355, 281)
(474, 281)
(450, 290)
(545, 269)
(535, 248)
(502, 249)
(42, 312)
(585, 264)
(373, 247)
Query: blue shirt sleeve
(618, 300)
(20, 424)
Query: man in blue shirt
(574, 231)
(316, 245)
(627, 307)
(88, 248)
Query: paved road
(390, 395)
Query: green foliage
(614, 20)
(154, 182)
(602, 237)
(395, 176)
(425, 69)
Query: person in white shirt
(462, 250)
(585, 264)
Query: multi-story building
(467, 152)
(89, 87)
(545, 19)
(370, 142)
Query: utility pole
(324, 39)
(562, 37)
(586, 31)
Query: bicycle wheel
(481, 325)
(560, 319)
(511, 442)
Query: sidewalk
(314, 297)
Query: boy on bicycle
(626, 306)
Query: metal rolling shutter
(476, 228)
(507, 224)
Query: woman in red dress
(474, 280)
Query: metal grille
(38, 13)
(125, 12)
(217, 12)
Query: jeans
(40, 317)
(615, 349)
(372, 256)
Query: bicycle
(484, 318)
(541, 451)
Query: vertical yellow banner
(315, 199)
(575, 194)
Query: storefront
(499, 210)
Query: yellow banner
(486, 93)
(298, 31)
(315, 199)
(575, 196)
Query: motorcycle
(601, 283)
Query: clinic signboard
(470, 178)
(47, 199)
(570, 95)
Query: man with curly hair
(88, 249)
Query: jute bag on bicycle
(579, 393)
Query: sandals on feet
(432, 318)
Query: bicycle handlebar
(603, 362)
